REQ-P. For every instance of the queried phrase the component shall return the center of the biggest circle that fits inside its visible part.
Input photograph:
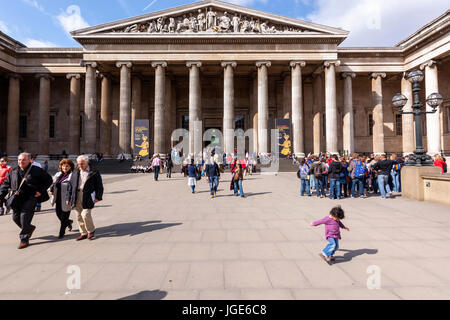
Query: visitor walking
(332, 232)
(191, 171)
(4, 172)
(28, 185)
(212, 173)
(85, 190)
(59, 190)
(169, 166)
(156, 166)
(238, 178)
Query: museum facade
(229, 67)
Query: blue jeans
(396, 180)
(375, 185)
(213, 184)
(156, 168)
(383, 184)
(313, 183)
(320, 187)
(335, 188)
(238, 185)
(360, 183)
(331, 248)
(305, 187)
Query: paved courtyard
(156, 240)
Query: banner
(141, 138)
(284, 138)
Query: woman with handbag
(59, 191)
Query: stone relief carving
(209, 21)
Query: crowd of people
(25, 187)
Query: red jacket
(440, 163)
(4, 171)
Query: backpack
(303, 172)
(325, 169)
(318, 171)
(397, 167)
(360, 171)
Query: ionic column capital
(259, 64)
(429, 64)
(191, 64)
(77, 76)
(348, 74)
(92, 64)
(294, 64)
(233, 64)
(336, 63)
(157, 64)
(14, 76)
(127, 64)
(45, 76)
(375, 75)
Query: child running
(332, 232)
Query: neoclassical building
(229, 67)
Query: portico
(237, 68)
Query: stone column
(195, 92)
(433, 119)
(331, 107)
(228, 106)
(317, 113)
(106, 116)
(136, 105)
(287, 95)
(90, 108)
(125, 108)
(408, 137)
(44, 113)
(377, 104)
(348, 126)
(298, 125)
(263, 106)
(168, 115)
(74, 113)
(160, 96)
(12, 125)
(255, 112)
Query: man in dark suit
(33, 190)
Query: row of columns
(260, 116)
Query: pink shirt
(156, 162)
(332, 227)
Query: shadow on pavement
(256, 194)
(147, 295)
(132, 229)
(350, 254)
(123, 191)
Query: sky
(378, 23)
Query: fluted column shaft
(317, 113)
(377, 104)
(136, 105)
(331, 107)
(160, 96)
(348, 125)
(44, 113)
(433, 119)
(298, 125)
(228, 106)
(255, 113)
(408, 136)
(74, 113)
(12, 126)
(263, 106)
(125, 107)
(106, 116)
(90, 109)
(195, 130)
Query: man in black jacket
(212, 171)
(33, 190)
(85, 190)
(334, 172)
(384, 168)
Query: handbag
(13, 201)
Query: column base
(380, 154)
(300, 155)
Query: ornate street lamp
(420, 157)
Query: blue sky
(39, 23)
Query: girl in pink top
(332, 232)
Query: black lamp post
(420, 157)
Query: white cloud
(33, 43)
(35, 4)
(3, 27)
(71, 19)
(377, 23)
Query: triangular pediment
(209, 17)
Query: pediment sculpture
(208, 20)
